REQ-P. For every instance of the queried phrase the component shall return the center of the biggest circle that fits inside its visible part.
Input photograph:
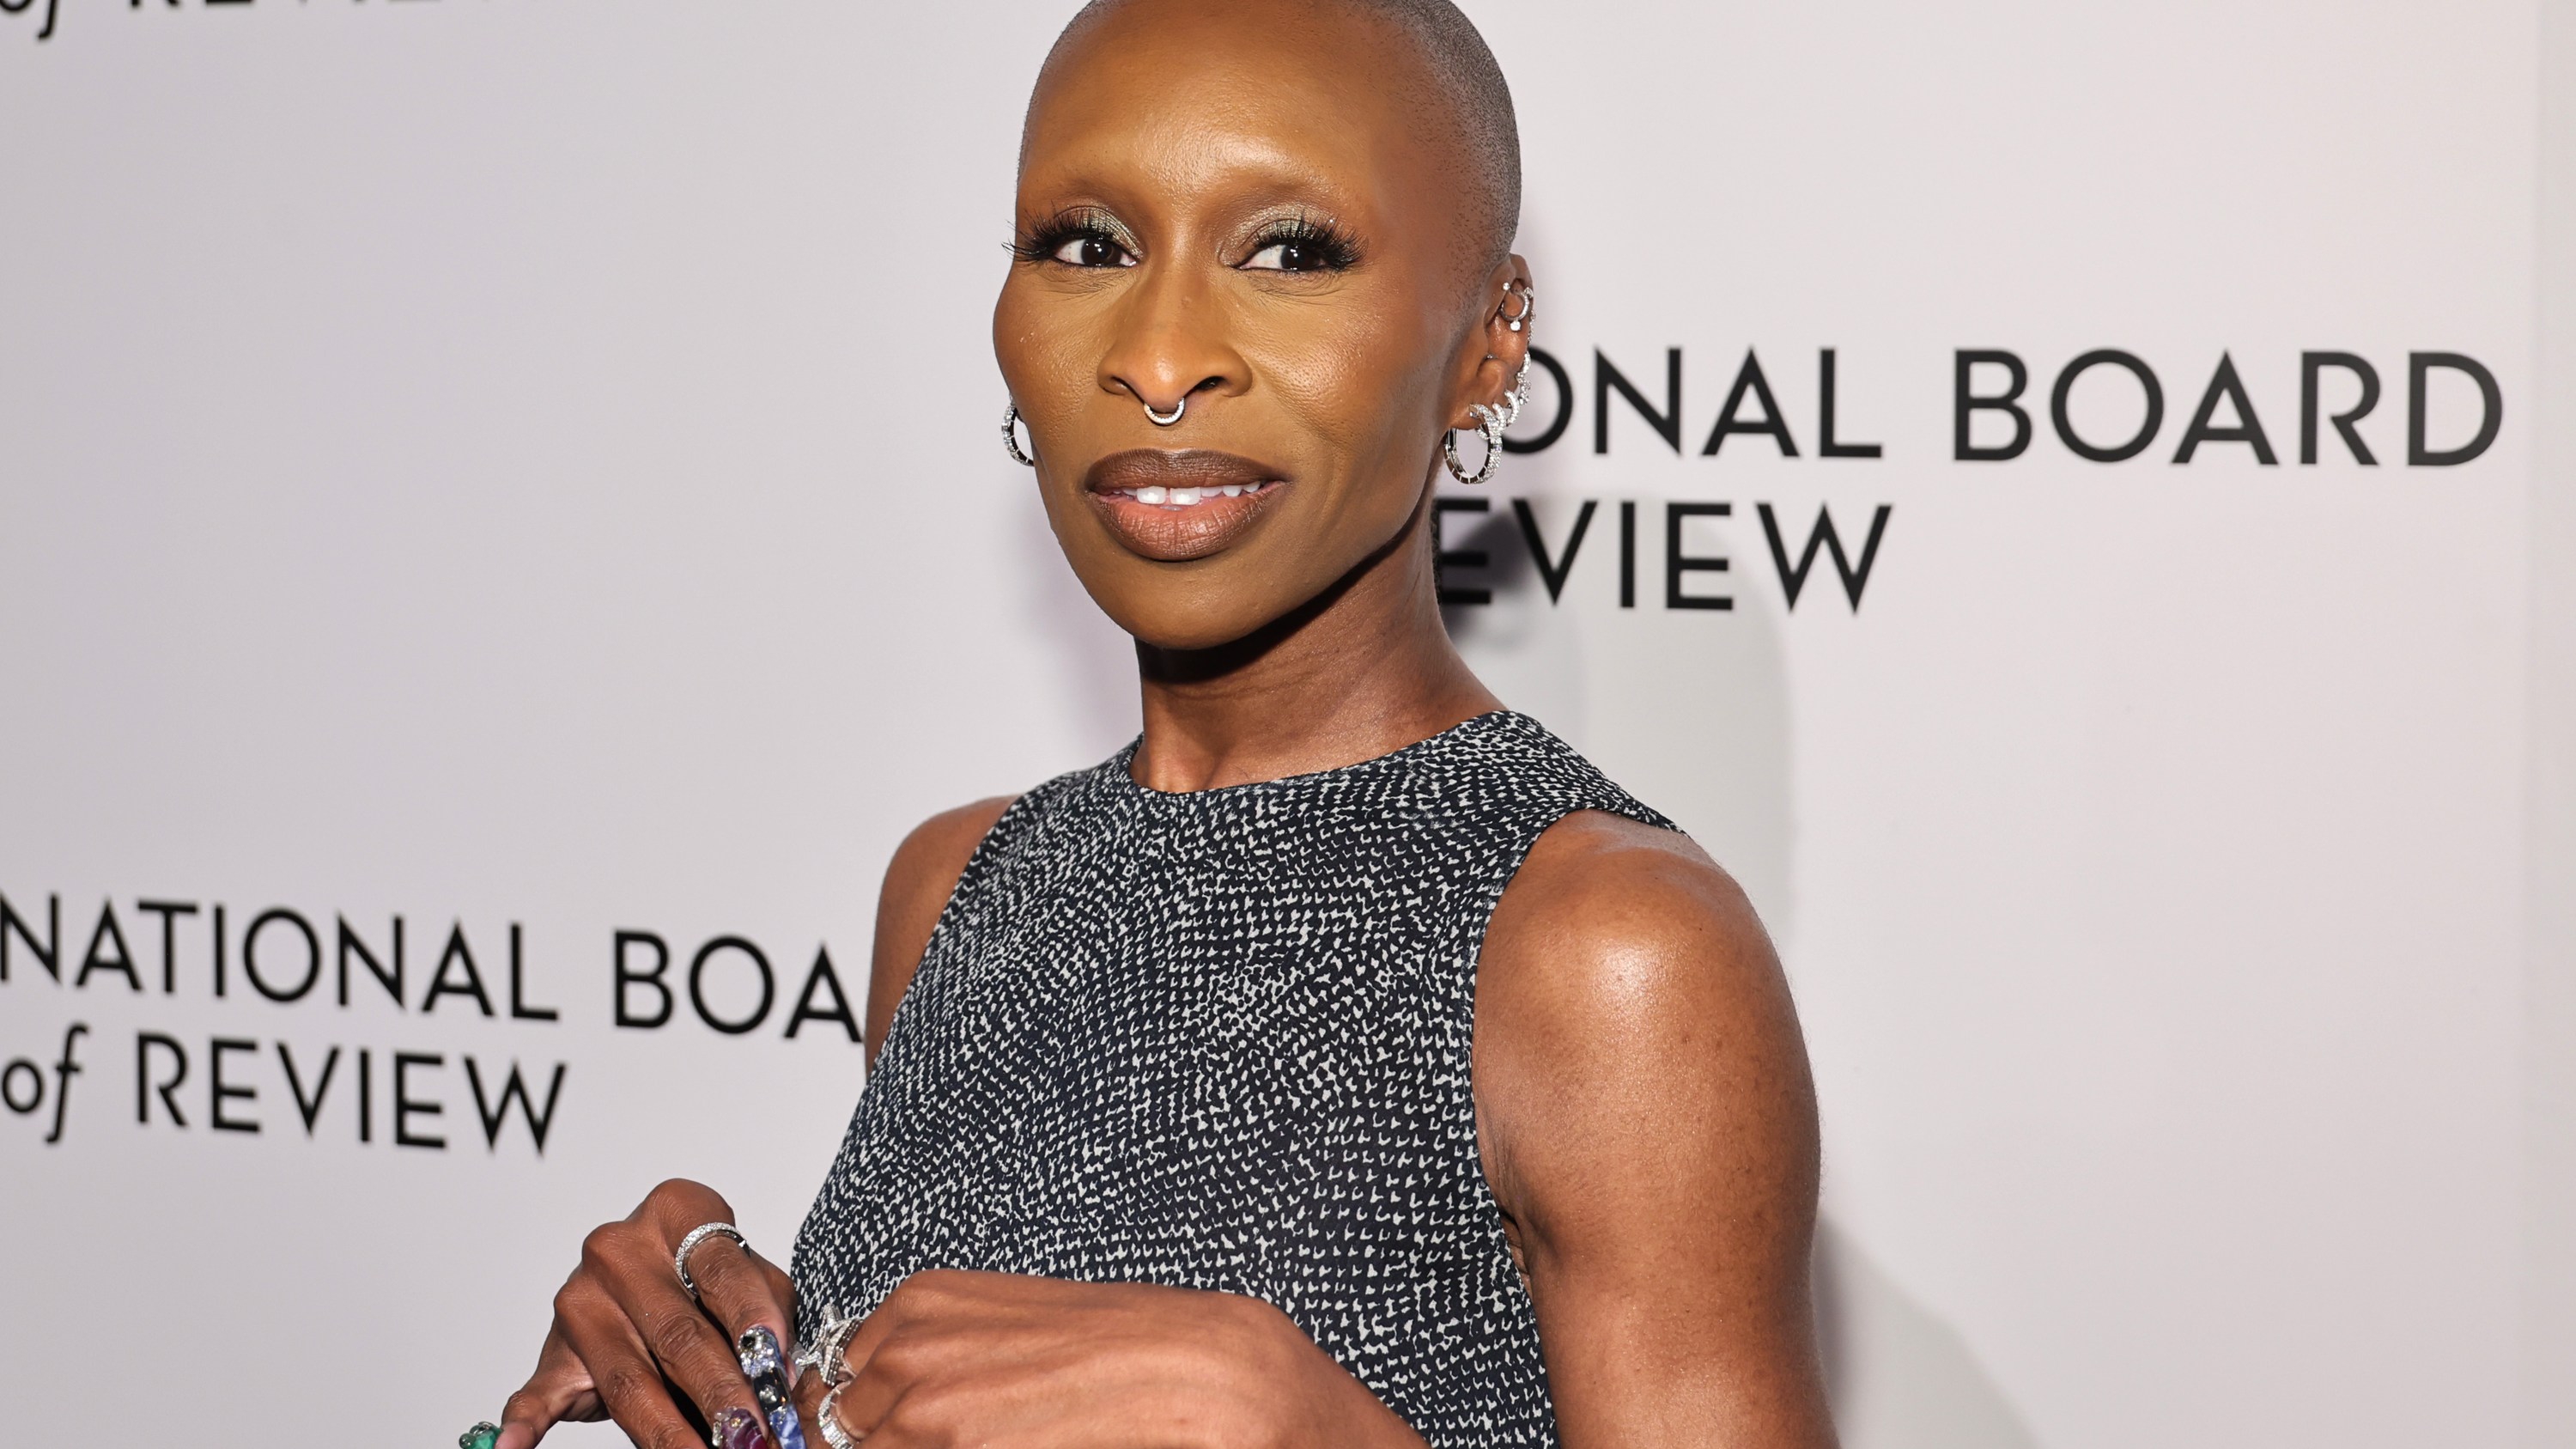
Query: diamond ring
(689, 1244)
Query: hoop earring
(1516, 399)
(1490, 424)
(1011, 437)
(1529, 307)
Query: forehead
(1310, 95)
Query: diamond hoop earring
(1516, 399)
(1011, 437)
(1490, 424)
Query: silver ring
(827, 1417)
(829, 1353)
(1529, 306)
(689, 1244)
(1161, 421)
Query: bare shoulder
(1613, 921)
(1647, 1121)
(1624, 972)
(1638, 1062)
(918, 882)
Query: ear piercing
(1517, 321)
(1011, 438)
(1490, 422)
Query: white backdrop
(516, 466)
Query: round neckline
(1122, 766)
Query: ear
(1507, 299)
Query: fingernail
(736, 1429)
(481, 1436)
(759, 1352)
(764, 1362)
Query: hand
(1003, 1361)
(625, 1331)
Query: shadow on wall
(1901, 1378)
(1688, 709)
(1535, 669)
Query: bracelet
(689, 1244)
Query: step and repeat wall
(502, 530)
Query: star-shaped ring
(829, 1353)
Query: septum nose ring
(1159, 420)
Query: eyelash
(1331, 247)
(1041, 243)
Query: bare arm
(1649, 1125)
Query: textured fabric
(1220, 1040)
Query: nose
(1170, 343)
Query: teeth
(1187, 497)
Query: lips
(1176, 506)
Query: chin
(1183, 630)
(1193, 604)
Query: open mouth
(1182, 505)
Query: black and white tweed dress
(1220, 1040)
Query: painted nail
(481, 1436)
(764, 1362)
(759, 1352)
(734, 1428)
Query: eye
(1303, 245)
(1084, 237)
(1287, 256)
(1091, 249)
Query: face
(1235, 211)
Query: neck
(1365, 668)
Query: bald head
(1464, 100)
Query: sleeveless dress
(1219, 1040)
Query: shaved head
(1463, 95)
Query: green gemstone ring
(481, 1436)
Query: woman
(1347, 1062)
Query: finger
(622, 1369)
(560, 1389)
(737, 1289)
(686, 1346)
(807, 1394)
(883, 1367)
(676, 1206)
(861, 1406)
